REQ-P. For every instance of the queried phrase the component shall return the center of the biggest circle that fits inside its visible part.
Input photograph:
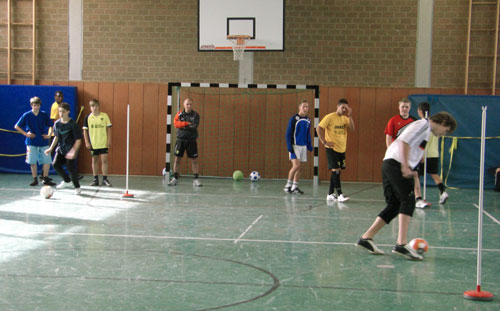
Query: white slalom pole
(478, 294)
(126, 194)
(425, 162)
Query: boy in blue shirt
(298, 142)
(35, 124)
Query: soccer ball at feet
(419, 245)
(46, 192)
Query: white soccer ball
(46, 192)
(254, 176)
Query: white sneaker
(422, 204)
(331, 197)
(197, 183)
(443, 197)
(78, 190)
(342, 198)
(172, 182)
(63, 184)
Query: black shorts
(190, 146)
(96, 152)
(432, 166)
(335, 159)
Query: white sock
(295, 185)
(288, 183)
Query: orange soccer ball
(419, 245)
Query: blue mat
(14, 101)
(467, 111)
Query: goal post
(242, 127)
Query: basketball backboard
(262, 20)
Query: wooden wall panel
(257, 118)
(150, 130)
(242, 131)
(209, 137)
(225, 141)
(120, 102)
(272, 142)
(136, 101)
(366, 134)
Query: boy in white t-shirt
(397, 178)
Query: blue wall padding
(14, 101)
(466, 158)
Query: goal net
(243, 128)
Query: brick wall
(343, 43)
(52, 40)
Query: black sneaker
(95, 183)
(106, 183)
(34, 182)
(47, 182)
(297, 191)
(406, 251)
(42, 178)
(370, 246)
(287, 189)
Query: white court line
(248, 229)
(135, 236)
(488, 214)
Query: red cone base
(478, 294)
(127, 195)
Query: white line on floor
(488, 214)
(134, 236)
(248, 229)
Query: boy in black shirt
(68, 139)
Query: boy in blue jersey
(298, 139)
(35, 125)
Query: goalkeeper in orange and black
(186, 122)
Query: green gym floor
(235, 246)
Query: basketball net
(238, 45)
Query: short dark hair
(65, 106)
(343, 101)
(424, 107)
(94, 102)
(58, 93)
(445, 119)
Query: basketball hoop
(238, 45)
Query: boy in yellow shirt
(332, 133)
(97, 134)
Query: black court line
(273, 287)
